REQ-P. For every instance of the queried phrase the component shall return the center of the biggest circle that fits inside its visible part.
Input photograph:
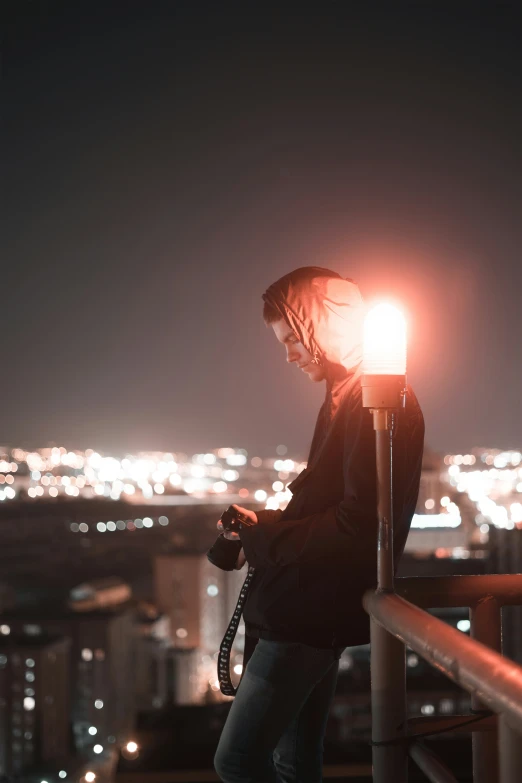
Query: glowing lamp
(384, 341)
(384, 357)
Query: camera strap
(225, 648)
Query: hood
(326, 311)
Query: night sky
(163, 163)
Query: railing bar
(433, 767)
(472, 665)
(437, 592)
(437, 722)
(510, 753)
(485, 628)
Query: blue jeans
(275, 728)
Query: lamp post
(383, 392)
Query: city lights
(490, 479)
(450, 519)
(52, 473)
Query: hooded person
(313, 561)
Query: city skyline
(490, 478)
(149, 577)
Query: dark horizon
(163, 164)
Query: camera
(232, 519)
(224, 552)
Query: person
(315, 559)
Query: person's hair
(270, 314)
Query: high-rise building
(199, 599)
(34, 702)
(100, 668)
(154, 662)
(102, 656)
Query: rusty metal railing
(476, 664)
(473, 663)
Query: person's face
(296, 352)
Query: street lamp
(384, 392)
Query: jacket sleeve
(341, 531)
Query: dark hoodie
(314, 560)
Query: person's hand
(230, 534)
(250, 514)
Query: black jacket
(314, 560)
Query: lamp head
(384, 357)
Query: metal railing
(476, 664)
(473, 663)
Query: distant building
(199, 599)
(103, 655)
(34, 703)
(154, 661)
(100, 667)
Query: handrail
(497, 681)
(444, 591)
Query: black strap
(225, 683)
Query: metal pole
(485, 628)
(387, 654)
(382, 424)
(510, 750)
(434, 769)
(388, 683)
